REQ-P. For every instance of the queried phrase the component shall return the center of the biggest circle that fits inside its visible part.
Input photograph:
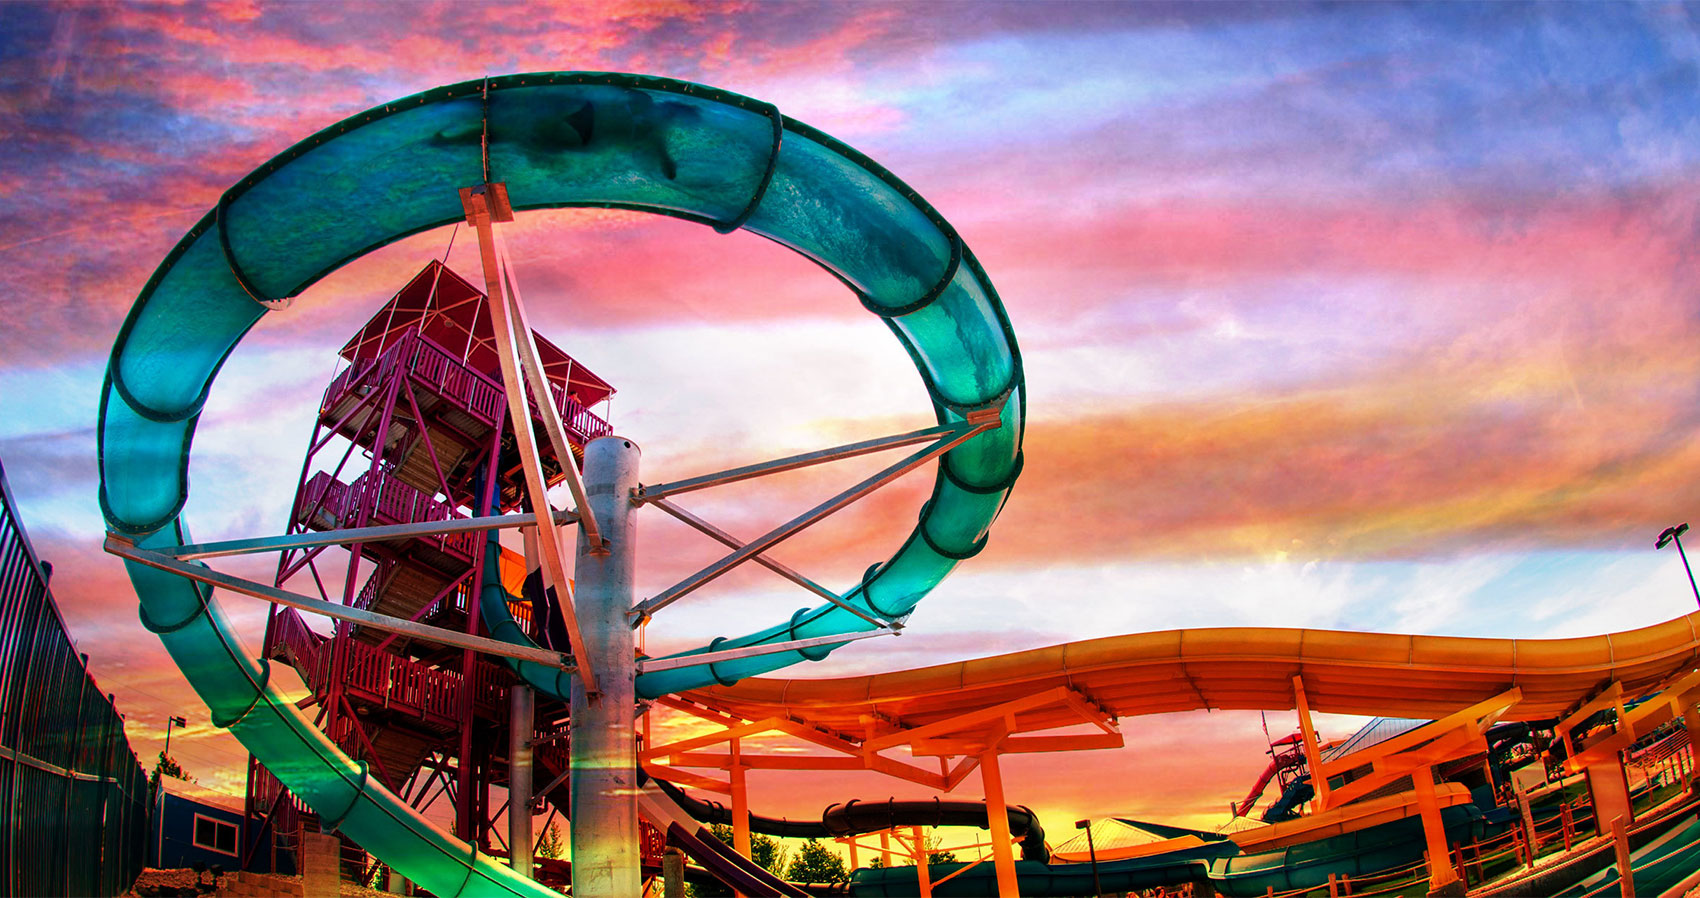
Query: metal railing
(63, 755)
(390, 680)
(436, 369)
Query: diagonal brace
(733, 542)
(312, 539)
(483, 205)
(657, 491)
(975, 425)
(123, 548)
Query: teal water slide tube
(557, 140)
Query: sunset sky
(1364, 316)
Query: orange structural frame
(1071, 697)
(1227, 668)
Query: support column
(885, 848)
(1003, 858)
(1313, 754)
(1530, 835)
(923, 876)
(673, 874)
(604, 743)
(1691, 718)
(740, 804)
(1608, 786)
(1442, 879)
(522, 714)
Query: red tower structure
(421, 397)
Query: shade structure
(560, 139)
(1247, 668)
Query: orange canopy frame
(1426, 677)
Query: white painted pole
(604, 745)
(522, 704)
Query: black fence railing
(75, 797)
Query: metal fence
(74, 796)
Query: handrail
(444, 373)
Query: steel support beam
(521, 717)
(484, 206)
(768, 540)
(732, 542)
(117, 545)
(604, 743)
(791, 463)
(224, 548)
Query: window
(215, 835)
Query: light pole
(1092, 852)
(1674, 535)
(177, 721)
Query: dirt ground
(152, 879)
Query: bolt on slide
(554, 140)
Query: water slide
(565, 139)
(1277, 763)
(856, 817)
(699, 844)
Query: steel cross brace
(223, 548)
(733, 542)
(517, 352)
(123, 548)
(944, 437)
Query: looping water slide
(556, 140)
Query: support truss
(123, 548)
(943, 439)
(485, 205)
(314, 539)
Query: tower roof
(455, 315)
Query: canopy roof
(455, 315)
(1424, 677)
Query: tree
(765, 851)
(935, 856)
(814, 863)
(552, 845)
(167, 766)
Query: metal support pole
(741, 841)
(923, 875)
(997, 817)
(465, 826)
(1691, 720)
(1442, 879)
(1313, 754)
(1691, 584)
(673, 874)
(521, 720)
(1092, 852)
(604, 742)
(1625, 871)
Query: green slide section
(557, 140)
